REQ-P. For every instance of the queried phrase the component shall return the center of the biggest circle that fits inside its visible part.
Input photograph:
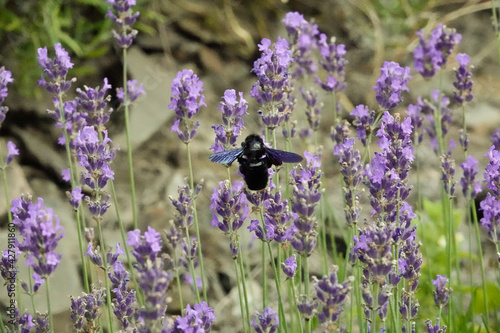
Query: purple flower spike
(363, 121)
(302, 37)
(265, 322)
(436, 328)
(333, 62)
(491, 216)
(55, 70)
(331, 295)
(463, 83)
(85, 310)
(277, 219)
(125, 302)
(492, 173)
(392, 82)
(313, 108)
(94, 103)
(306, 195)
(186, 101)
(431, 54)
(134, 90)
(146, 246)
(273, 86)
(11, 152)
(226, 135)
(442, 292)
(124, 19)
(448, 173)
(199, 318)
(5, 78)
(495, 138)
(414, 112)
(41, 232)
(469, 185)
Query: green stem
(244, 285)
(129, 144)
(196, 225)
(278, 289)
(49, 310)
(106, 278)
(240, 297)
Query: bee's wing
(277, 157)
(226, 156)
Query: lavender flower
(302, 36)
(313, 108)
(351, 169)
(265, 322)
(55, 70)
(8, 266)
(124, 19)
(289, 266)
(226, 135)
(436, 328)
(442, 293)
(229, 202)
(75, 197)
(333, 62)
(491, 216)
(277, 219)
(431, 54)
(331, 295)
(492, 173)
(392, 82)
(85, 309)
(432, 106)
(306, 195)
(186, 100)
(463, 82)
(199, 318)
(72, 120)
(153, 280)
(410, 262)
(273, 87)
(41, 232)
(94, 103)
(364, 119)
(5, 78)
(469, 185)
(134, 90)
(22, 323)
(125, 302)
(340, 132)
(184, 216)
(11, 152)
(448, 173)
(495, 138)
(111, 257)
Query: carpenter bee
(255, 158)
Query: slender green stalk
(494, 9)
(49, 309)
(265, 293)
(106, 278)
(277, 282)
(129, 144)
(191, 268)
(305, 283)
(2, 326)
(196, 227)
(297, 312)
(244, 285)
(240, 298)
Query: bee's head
(253, 142)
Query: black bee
(255, 158)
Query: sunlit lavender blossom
(11, 152)
(273, 86)
(85, 310)
(351, 169)
(124, 19)
(94, 103)
(42, 322)
(495, 138)
(152, 279)
(463, 83)
(265, 322)
(41, 232)
(491, 204)
(186, 100)
(96, 258)
(414, 112)
(75, 197)
(226, 135)
(230, 204)
(55, 71)
(22, 323)
(363, 121)
(333, 62)
(184, 215)
(442, 292)
(278, 218)
(340, 132)
(74, 119)
(393, 80)
(198, 318)
(410, 262)
(431, 53)
(134, 90)
(331, 295)
(5, 78)
(125, 302)
(302, 37)
(436, 328)
(306, 194)
(469, 185)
